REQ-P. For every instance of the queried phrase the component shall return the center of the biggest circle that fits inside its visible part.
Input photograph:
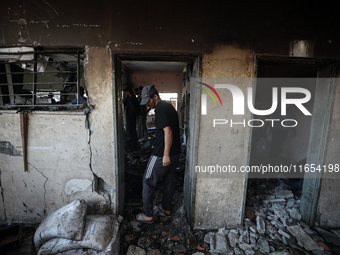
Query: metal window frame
(78, 53)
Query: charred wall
(228, 37)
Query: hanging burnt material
(24, 134)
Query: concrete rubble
(272, 222)
(272, 225)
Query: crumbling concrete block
(295, 214)
(253, 228)
(233, 239)
(290, 203)
(244, 238)
(307, 242)
(284, 194)
(246, 248)
(263, 245)
(260, 224)
(281, 232)
(219, 244)
(208, 236)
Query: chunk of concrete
(271, 229)
(302, 237)
(279, 212)
(278, 237)
(246, 248)
(275, 200)
(284, 194)
(281, 232)
(284, 220)
(290, 202)
(263, 245)
(237, 251)
(261, 225)
(219, 244)
(253, 228)
(135, 250)
(233, 239)
(295, 214)
(208, 236)
(261, 214)
(244, 238)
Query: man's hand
(166, 160)
(167, 145)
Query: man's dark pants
(154, 172)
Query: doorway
(171, 75)
(303, 144)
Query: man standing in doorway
(132, 112)
(163, 161)
(142, 128)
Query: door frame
(327, 68)
(117, 58)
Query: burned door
(323, 105)
(192, 140)
(118, 132)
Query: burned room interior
(70, 181)
(271, 143)
(168, 78)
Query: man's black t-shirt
(166, 115)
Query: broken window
(170, 97)
(42, 78)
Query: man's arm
(167, 145)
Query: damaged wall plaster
(225, 194)
(76, 185)
(58, 151)
(8, 149)
(60, 146)
(329, 213)
(98, 82)
(60, 26)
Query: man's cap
(147, 92)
